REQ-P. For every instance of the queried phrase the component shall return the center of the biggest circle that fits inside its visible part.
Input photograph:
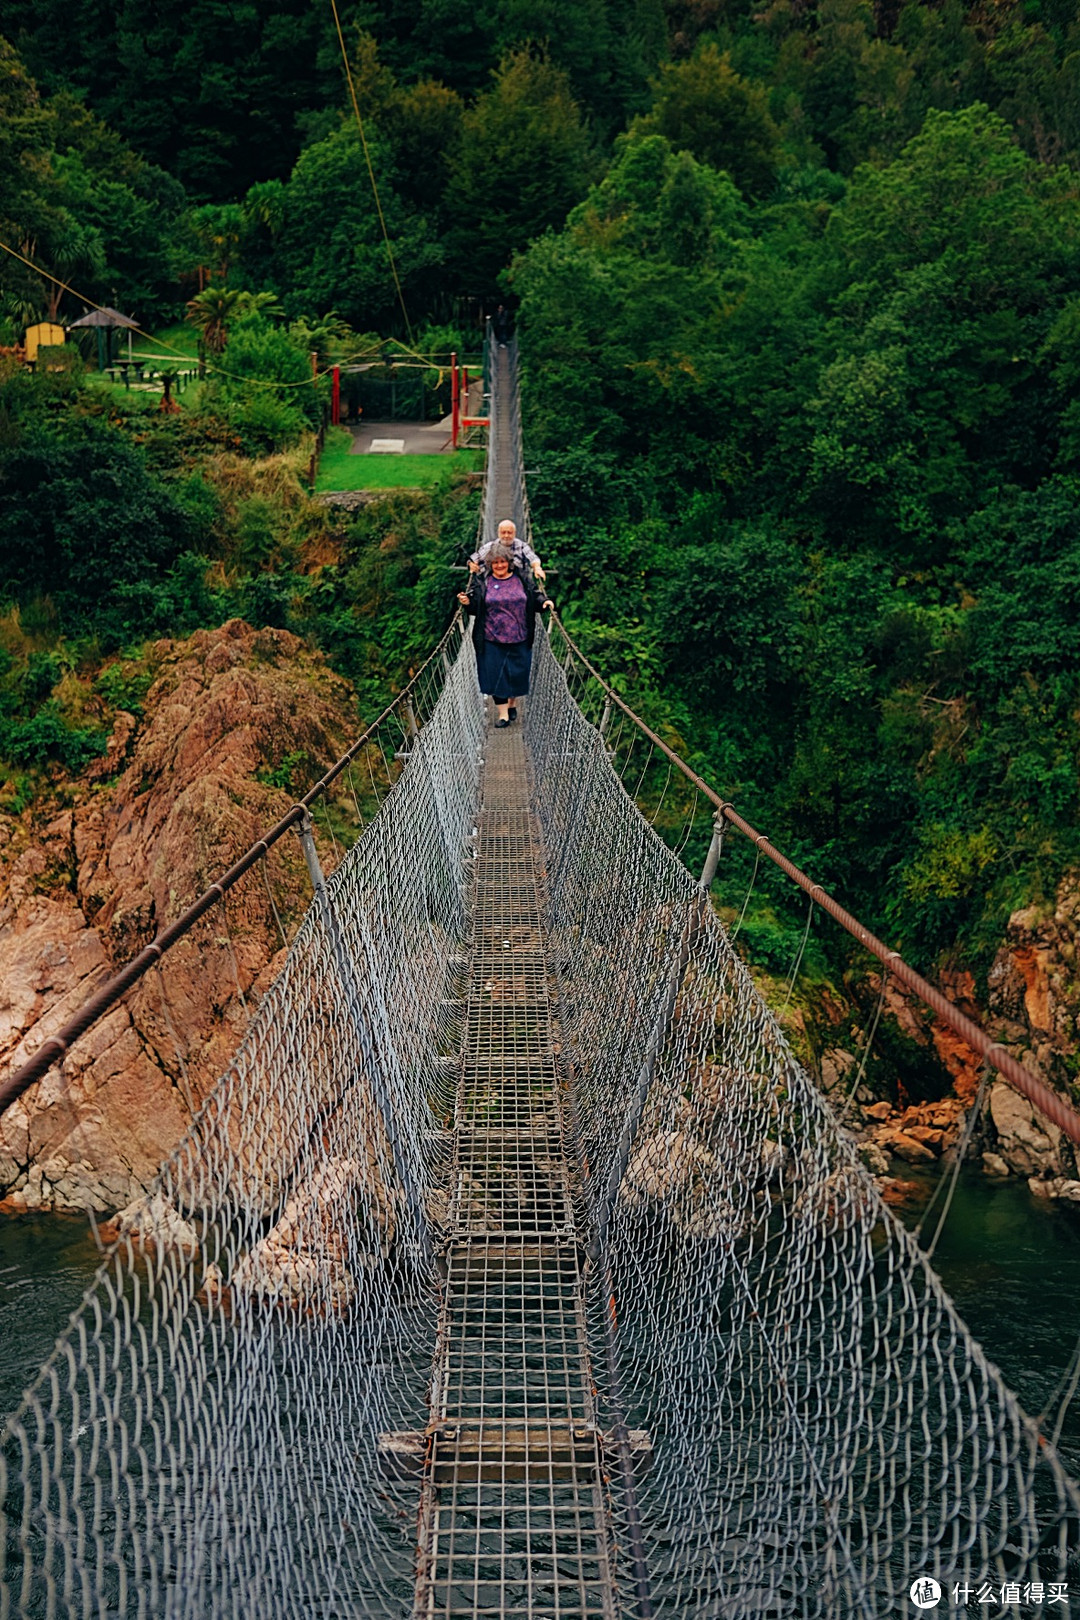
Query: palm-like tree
(217, 228)
(330, 337)
(73, 250)
(259, 303)
(211, 311)
(265, 205)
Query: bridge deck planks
(514, 1515)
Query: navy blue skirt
(503, 670)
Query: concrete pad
(411, 438)
(383, 446)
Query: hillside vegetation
(798, 288)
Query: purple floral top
(505, 620)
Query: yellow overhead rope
(370, 169)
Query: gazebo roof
(104, 317)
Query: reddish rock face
(173, 803)
(1032, 1007)
(904, 1146)
(894, 1191)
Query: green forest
(797, 287)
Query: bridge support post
(372, 1067)
(712, 859)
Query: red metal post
(465, 419)
(455, 400)
(335, 397)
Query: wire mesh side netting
(813, 1426)
(204, 1440)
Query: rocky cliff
(184, 789)
(1033, 1009)
(1035, 1004)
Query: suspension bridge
(515, 1266)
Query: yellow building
(44, 335)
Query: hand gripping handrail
(58, 1045)
(1048, 1102)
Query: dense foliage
(844, 495)
(799, 295)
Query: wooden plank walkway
(514, 1515)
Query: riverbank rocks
(1055, 1187)
(675, 1171)
(903, 1146)
(56, 1183)
(836, 1066)
(896, 1192)
(1030, 1004)
(874, 1158)
(302, 1262)
(918, 1134)
(86, 885)
(153, 1225)
(1025, 1141)
(840, 1201)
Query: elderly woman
(504, 606)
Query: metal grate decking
(514, 1513)
(504, 495)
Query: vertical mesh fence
(205, 1439)
(811, 1426)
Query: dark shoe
(512, 711)
(499, 724)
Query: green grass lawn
(166, 341)
(159, 353)
(340, 469)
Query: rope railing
(1048, 1102)
(56, 1047)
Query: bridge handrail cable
(1048, 1102)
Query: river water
(1012, 1265)
(1010, 1261)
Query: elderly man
(520, 549)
